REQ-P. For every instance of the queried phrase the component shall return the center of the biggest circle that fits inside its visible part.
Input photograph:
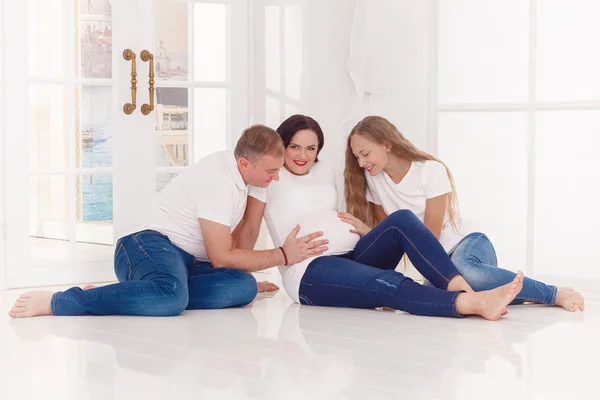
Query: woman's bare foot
(265, 287)
(88, 287)
(32, 304)
(490, 304)
(569, 299)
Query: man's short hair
(258, 140)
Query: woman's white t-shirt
(424, 180)
(310, 201)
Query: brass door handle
(147, 56)
(129, 55)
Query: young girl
(358, 271)
(385, 172)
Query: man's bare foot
(32, 304)
(265, 287)
(490, 304)
(88, 287)
(569, 299)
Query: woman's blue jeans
(365, 277)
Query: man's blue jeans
(157, 278)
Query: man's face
(261, 172)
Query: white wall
(506, 99)
(327, 89)
(321, 32)
(2, 166)
(321, 56)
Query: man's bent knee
(237, 289)
(173, 303)
(243, 288)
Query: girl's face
(301, 153)
(370, 155)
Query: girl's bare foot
(32, 304)
(490, 304)
(88, 287)
(569, 299)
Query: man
(180, 253)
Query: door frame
(64, 270)
(134, 167)
(3, 270)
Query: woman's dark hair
(298, 122)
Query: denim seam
(454, 298)
(118, 290)
(452, 305)
(141, 248)
(129, 268)
(554, 293)
(129, 265)
(452, 276)
(306, 299)
(411, 243)
(479, 236)
(468, 251)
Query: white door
(77, 164)
(200, 55)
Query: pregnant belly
(337, 232)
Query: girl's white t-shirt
(310, 201)
(424, 180)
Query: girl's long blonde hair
(380, 130)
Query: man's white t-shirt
(310, 201)
(424, 180)
(211, 189)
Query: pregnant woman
(358, 271)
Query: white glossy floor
(274, 349)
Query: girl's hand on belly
(360, 227)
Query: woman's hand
(360, 227)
